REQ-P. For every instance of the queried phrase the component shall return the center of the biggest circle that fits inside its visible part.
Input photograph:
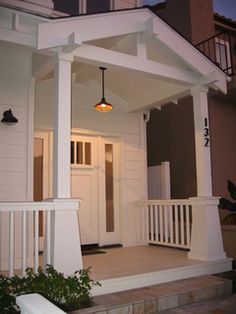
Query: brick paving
(205, 294)
(220, 305)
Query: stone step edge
(165, 302)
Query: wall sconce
(8, 118)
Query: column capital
(65, 56)
(199, 88)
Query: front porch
(169, 224)
(121, 269)
(67, 85)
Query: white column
(62, 128)
(66, 249)
(202, 141)
(206, 238)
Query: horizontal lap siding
(15, 67)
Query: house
(90, 167)
(215, 36)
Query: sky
(223, 7)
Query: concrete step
(161, 297)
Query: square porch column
(206, 238)
(62, 127)
(66, 245)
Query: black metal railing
(218, 49)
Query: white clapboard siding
(15, 76)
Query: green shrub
(229, 219)
(68, 293)
(7, 299)
(228, 204)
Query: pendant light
(103, 105)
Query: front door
(95, 179)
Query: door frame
(46, 136)
(117, 173)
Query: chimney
(194, 19)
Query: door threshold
(111, 246)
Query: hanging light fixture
(103, 105)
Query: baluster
(161, 222)
(151, 222)
(48, 237)
(11, 243)
(171, 224)
(156, 223)
(36, 240)
(182, 224)
(176, 225)
(188, 208)
(24, 242)
(165, 208)
(147, 222)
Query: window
(223, 55)
(94, 6)
(80, 153)
(110, 224)
(68, 6)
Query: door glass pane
(221, 55)
(94, 6)
(109, 188)
(87, 153)
(79, 153)
(72, 152)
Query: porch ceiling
(148, 63)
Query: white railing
(19, 235)
(166, 222)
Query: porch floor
(133, 267)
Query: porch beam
(117, 60)
(160, 99)
(16, 37)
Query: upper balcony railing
(218, 49)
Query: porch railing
(166, 222)
(19, 235)
(218, 49)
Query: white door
(94, 179)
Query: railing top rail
(212, 37)
(28, 206)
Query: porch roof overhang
(149, 63)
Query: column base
(66, 245)
(206, 238)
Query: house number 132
(206, 133)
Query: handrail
(218, 49)
(210, 38)
(26, 206)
